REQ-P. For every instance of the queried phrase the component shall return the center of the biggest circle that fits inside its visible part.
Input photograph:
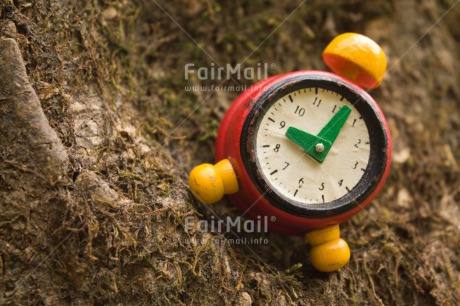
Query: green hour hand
(314, 146)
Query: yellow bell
(357, 58)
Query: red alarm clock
(310, 148)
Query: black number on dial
(300, 111)
(317, 102)
(287, 165)
(358, 143)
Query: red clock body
(254, 199)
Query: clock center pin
(319, 147)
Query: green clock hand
(332, 129)
(318, 147)
(314, 146)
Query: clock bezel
(379, 145)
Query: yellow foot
(209, 182)
(329, 252)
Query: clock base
(328, 251)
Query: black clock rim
(378, 148)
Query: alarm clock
(310, 148)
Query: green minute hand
(332, 129)
(318, 147)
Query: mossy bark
(98, 133)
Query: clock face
(315, 145)
(287, 165)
